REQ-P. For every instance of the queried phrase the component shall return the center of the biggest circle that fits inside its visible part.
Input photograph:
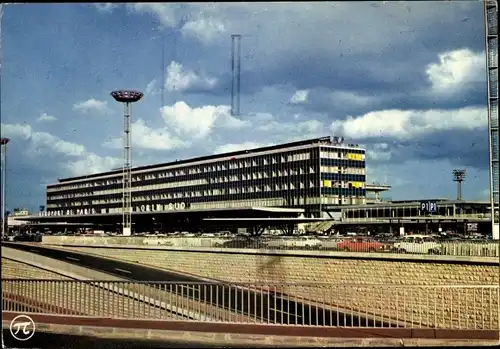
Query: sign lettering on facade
(178, 206)
(428, 206)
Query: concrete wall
(421, 302)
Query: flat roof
(408, 203)
(327, 140)
(229, 209)
(409, 220)
(267, 220)
(377, 187)
(59, 224)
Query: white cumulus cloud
(299, 97)
(46, 118)
(406, 124)
(455, 70)
(183, 126)
(205, 29)
(145, 137)
(76, 159)
(180, 79)
(92, 163)
(92, 106)
(198, 122)
(42, 141)
(230, 147)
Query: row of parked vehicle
(408, 244)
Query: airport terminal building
(318, 178)
(305, 175)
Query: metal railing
(319, 304)
(466, 216)
(446, 248)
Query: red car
(361, 245)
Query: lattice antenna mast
(459, 177)
(236, 73)
(127, 98)
(491, 42)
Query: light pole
(3, 150)
(459, 177)
(127, 97)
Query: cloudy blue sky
(406, 80)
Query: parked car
(331, 243)
(418, 244)
(307, 242)
(361, 244)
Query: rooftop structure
(374, 190)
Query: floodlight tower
(459, 177)
(127, 97)
(491, 49)
(3, 150)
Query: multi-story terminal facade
(306, 174)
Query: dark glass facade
(294, 175)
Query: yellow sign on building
(352, 156)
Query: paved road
(275, 308)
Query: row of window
(395, 212)
(340, 184)
(343, 170)
(199, 193)
(343, 181)
(330, 154)
(190, 170)
(342, 163)
(163, 190)
(212, 195)
(226, 178)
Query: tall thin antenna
(174, 59)
(1, 15)
(236, 73)
(162, 72)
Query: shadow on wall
(271, 268)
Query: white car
(307, 242)
(293, 242)
(417, 244)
